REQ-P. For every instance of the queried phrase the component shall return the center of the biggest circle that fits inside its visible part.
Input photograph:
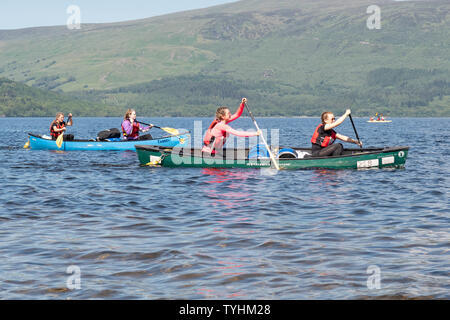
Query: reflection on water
(221, 175)
(226, 190)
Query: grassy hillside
(289, 57)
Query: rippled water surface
(157, 233)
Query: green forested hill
(17, 99)
(288, 57)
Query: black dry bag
(108, 134)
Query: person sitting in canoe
(131, 128)
(58, 126)
(219, 130)
(323, 138)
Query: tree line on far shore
(393, 92)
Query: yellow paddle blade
(59, 140)
(27, 145)
(171, 131)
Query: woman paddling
(131, 128)
(324, 136)
(58, 126)
(219, 130)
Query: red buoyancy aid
(58, 125)
(322, 137)
(209, 138)
(134, 133)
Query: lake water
(134, 232)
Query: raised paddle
(272, 157)
(356, 132)
(172, 131)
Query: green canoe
(297, 158)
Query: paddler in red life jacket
(324, 136)
(131, 128)
(58, 126)
(219, 130)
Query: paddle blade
(171, 131)
(59, 140)
(27, 145)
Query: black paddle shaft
(251, 114)
(354, 128)
(148, 124)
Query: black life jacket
(321, 137)
(58, 125)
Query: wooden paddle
(272, 157)
(172, 131)
(354, 128)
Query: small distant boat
(379, 121)
(40, 142)
(288, 158)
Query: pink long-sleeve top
(220, 132)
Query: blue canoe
(40, 142)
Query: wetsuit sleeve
(230, 130)
(127, 127)
(142, 127)
(238, 113)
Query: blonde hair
(127, 114)
(59, 114)
(220, 113)
(324, 115)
